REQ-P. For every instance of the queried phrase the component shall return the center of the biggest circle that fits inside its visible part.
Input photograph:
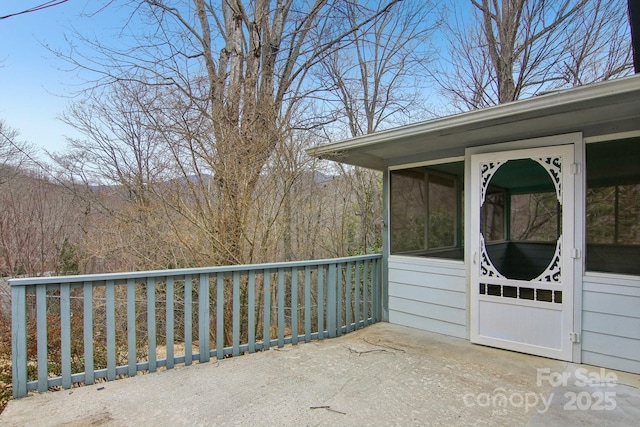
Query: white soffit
(606, 107)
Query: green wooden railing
(79, 329)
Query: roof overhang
(597, 109)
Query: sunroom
(517, 226)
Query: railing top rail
(27, 281)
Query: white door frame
(567, 147)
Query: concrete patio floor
(380, 375)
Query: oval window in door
(520, 219)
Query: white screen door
(522, 236)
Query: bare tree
(122, 166)
(239, 66)
(377, 80)
(599, 48)
(119, 146)
(14, 153)
(36, 8)
(36, 217)
(509, 49)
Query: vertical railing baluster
(307, 303)
(151, 323)
(220, 316)
(365, 292)
(320, 299)
(19, 340)
(372, 264)
(42, 347)
(251, 316)
(348, 290)
(339, 299)
(236, 314)
(331, 301)
(170, 322)
(111, 330)
(356, 296)
(374, 276)
(374, 294)
(294, 305)
(266, 330)
(89, 375)
(65, 334)
(380, 289)
(188, 320)
(203, 318)
(132, 359)
(376, 284)
(280, 307)
(372, 311)
(374, 291)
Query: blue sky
(34, 86)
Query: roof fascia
(504, 113)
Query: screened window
(408, 211)
(535, 217)
(613, 216)
(613, 206)
(493, 214)
(425, 212)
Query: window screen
(426, 211)
(613, 206)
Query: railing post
(366, 280)
(320, 299)
(188, 320)
(42, 347)
(151, 323)
(357, 294)
(111, 330)
(294, 305)
(331, 301)
(376, 301)
(65, 334)
(266, 330)
(251, 316)
(203, 318)
(87, 296)
(131, 328)
(307, 303)
(348, 291)
(339, 299)
(220, 316)
(380, 289)
(170, 322)
(236, 314)
(19, 340)
(281, 307)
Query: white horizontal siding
(428, 294)
(425, 324)
(611, 321)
